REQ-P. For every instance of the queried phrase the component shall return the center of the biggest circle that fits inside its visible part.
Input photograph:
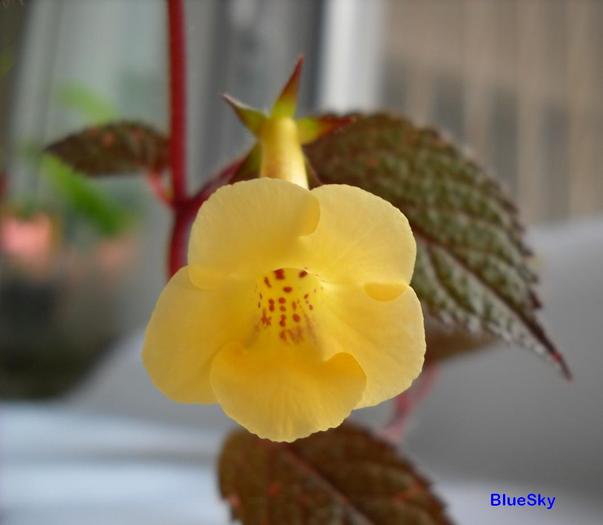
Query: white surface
(69, 468)
(61, 467)
(118, 453)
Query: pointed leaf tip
(286, 103)
(251, 118)
(313, 128)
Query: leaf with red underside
(113, 149)
(473, 271)
(344, 476)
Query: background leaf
(84, 199)
(7, 61)
(472, 269)
(115, 148)
(344, 476)
(86, 102)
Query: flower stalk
(405, 404)
(282, 155)
(177, 66)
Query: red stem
(178, 241)
(407, 402)
(177, 65)
(158, 189)
(184, 207)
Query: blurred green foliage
(85, 199)
(6, 62)
(90, 105)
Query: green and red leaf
(113, 149)
(473, 267)
(344, 475)
(313, 128)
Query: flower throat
(287, 298)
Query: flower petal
(385, 336)
(360, 238)
(252, 227)
(187, 327)
(283, 394)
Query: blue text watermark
(500, 499)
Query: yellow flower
(295, 307)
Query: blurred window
(518, 81)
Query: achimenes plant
(311, 262)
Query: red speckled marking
(298, 288)
(273, 489)
(108, 139)
(266, 320)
